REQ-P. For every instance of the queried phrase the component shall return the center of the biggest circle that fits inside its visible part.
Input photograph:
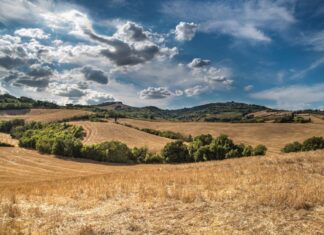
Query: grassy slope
(98, 132)
(273, 135)
(277, 194)
(42, 115)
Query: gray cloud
(198, 62)
(93, 74)
(155, 93)
(9, 62)
(32, 82)
(132, 31)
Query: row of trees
(313, 143)
(65, 140)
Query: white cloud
(32, 33)
(185, 31)
(252, 18)
(196, 90)
(293, 97)
(198, 62)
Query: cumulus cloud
(94, 74)
(185, 31)
(252, 18)
(94, 98)
(131, 31)
(155, 93)
(198, 62)
(32, 33)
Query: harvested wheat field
(41, 115)
(278, 194)
(273, 135)
(97, 132)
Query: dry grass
(41, 115)
(273, 135)
(98, 132)
(278, 194)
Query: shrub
(202, 154)
(260, 150)
(153, 158)
(313, 143)
(175, 152)
(6, 126)
(203, 139)
(247, 151)
(139, 154)
(292, 147)
(233, 153)
(112, 151)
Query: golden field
(277, 194)
(272, 135)
(97, 132)
(41, 115)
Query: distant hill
(11, 102)
(213, 112)
(229, 111)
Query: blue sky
(168, 54)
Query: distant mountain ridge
(213, 112)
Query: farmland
(280, 194)
(276, 194)
(273, 135)
(41, 115)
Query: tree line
(66, 140)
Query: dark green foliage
(284, 119)
(292, 147)
(139, 154)
(260, 150)
(112, 151)
(247, 151)
(10, 102)
(6, 126)
(312, 143)
(204, 148)
(54, 138)
(153, 158)
(175, 152)
(2, 144)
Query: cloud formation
(32, 33)
(198, 62)
(185, 31)
(155, 93)
(252, 18)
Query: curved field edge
(273, 135)
(278, 194)
(97, 132)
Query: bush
(6, 126)
(247, 151)
(153, 158)
(259, 150)
(176, 152)
(112, 151)
(292, 147)
(202, 154)
(139, 154)
(313, 143)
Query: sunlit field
(275, 194)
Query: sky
(169, 54)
